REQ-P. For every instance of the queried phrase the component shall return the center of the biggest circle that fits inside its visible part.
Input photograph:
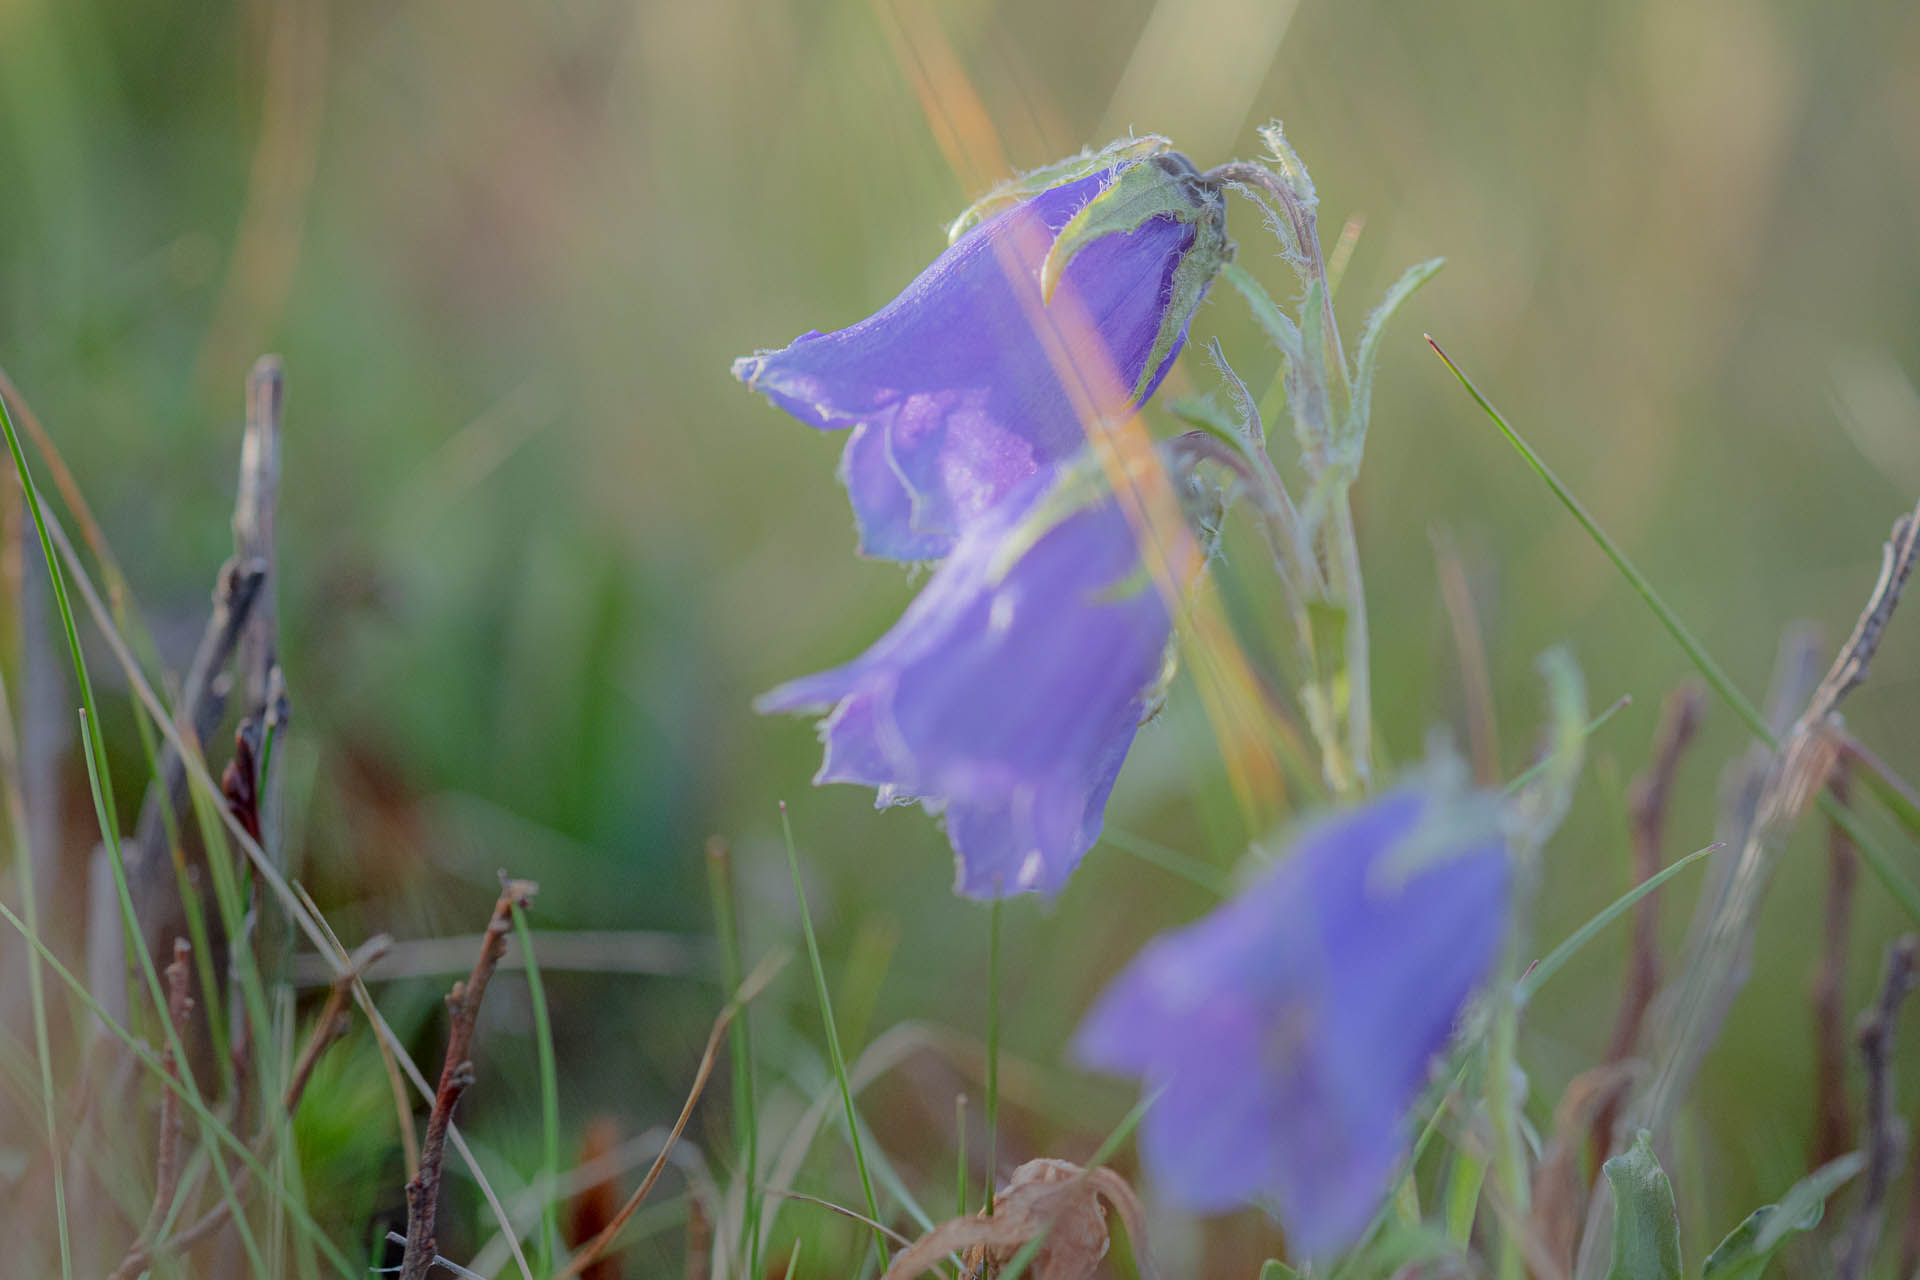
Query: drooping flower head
(1290, 1031)
(1059, 299)
(1008, 693)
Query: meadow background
(539, 551)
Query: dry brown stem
(456, 1074)
(1833, 1106)
(756, 983)
(1647, 805)
(1883, 1136)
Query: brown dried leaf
(1559, 1191)
(1055, 1197)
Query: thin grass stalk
(740, 1052)
(833, 1034)
(1876, 857)
(210, 1123)
(549, 1093)
(257, 858)
(36, 982)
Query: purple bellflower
(1290, 1031)
(1008, 693)
(953, 393)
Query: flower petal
(967, 383)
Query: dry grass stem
(756, 983)
(1883, 1136)
(456, 1074)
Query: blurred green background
(539, 550)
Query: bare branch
(1832, 1107)
(1647, 803)
(456, 1074)
(1883, 1137)
(167, 1158)
(332, 1024)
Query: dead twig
(1883, 1136)
(756, 983)
(166, 1161)
(1647, 799)
(456, 1074)
(332, 1025)
(201, 707)
(1719, 963)
(1832, 1106)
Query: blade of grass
(210, 1123)
(960, 1160)
(104, 809)
(1528, 774)
(99, 779)
(92, 751)
(549, 1092)
(205, 789)
(1172, 861)
(740, 1051)
(1877, 858)
(36, 982)
(833, 1035)
(1532, 980)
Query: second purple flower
(1007, 695)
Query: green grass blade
(960, 1160)
(549, 1093)
(1534, 770)
(833, 1035)
(1203, 875)
(1710, 670)
(740, 1053)
(189, 1096)
(1878, 860)
(36, 981)
(1536, 977)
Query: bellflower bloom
(1008, 693)
(1291, 1030)
(952, 393)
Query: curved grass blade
(1877, 858)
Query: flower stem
(993, 1050)
(1345, 557)
(838, 1059)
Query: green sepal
(1749, 1247)
(1137, 194)
(1405, 287)
(1060, 172)
(1646, 1226)
(1204, 413)
(1165, 187)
